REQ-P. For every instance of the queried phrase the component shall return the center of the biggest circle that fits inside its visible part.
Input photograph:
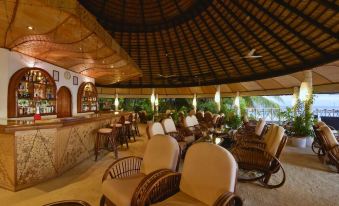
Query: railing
(326, 112)
(269, 114)
(272, 114)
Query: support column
(295, 96)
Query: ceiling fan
(167, 76)
(250, 55)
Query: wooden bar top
(10, 126)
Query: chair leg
(102, 200)
(96, 149)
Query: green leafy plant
(303, 118)
(150, 115)
(232, 119)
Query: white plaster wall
(10, 62)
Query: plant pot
(309, 141)
(299, 142)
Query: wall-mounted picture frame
(55, 75)
(75, 80)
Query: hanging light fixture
(116, 102)
(194, 103)
(237, 103)
(152, 99)
(217, 97)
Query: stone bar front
(33, 152)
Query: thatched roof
(180, 43)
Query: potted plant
(302, 123)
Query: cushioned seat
(127, 122)
(179, 199)
(162, 152)
(120, 191)
(105, 130)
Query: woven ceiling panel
(65, 34)
(180, 43)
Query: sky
(324, 101)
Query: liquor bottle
(30, 78)
(34, 77)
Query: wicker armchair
(126, 180)
(329, 145)
(68, 203)
(183, 140)
(192, 127)
(200, 117)
(259, 131)
(214, 184)
(260, 160)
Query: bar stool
(120, 133)
(105, 138)
(135, 124)
(128, 126)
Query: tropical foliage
(303, 118)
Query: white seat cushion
(189, 139)
(179, 199)
(120, 191)
(162, 152)
(127, 122)
(105, 130)
(209, 171)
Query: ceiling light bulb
(30, 27)
(112, 66)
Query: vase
(299, 142)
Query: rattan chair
(200, 116)
(259, 130)
(329, 145)
(183, 140)
(126, 180)
(192, 127)
(68, 203)
(208, 177)
(261, 161)
(154, 129)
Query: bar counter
(35, 151)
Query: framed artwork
(55, 75)
(75, 80)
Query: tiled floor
(308, 183)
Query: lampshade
(116, 102)
(156, 101)
(194, 103)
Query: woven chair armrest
(228, 199)
(254, 156)
(141, 193)
(123, 167)
(252, 142)
(163, 186)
